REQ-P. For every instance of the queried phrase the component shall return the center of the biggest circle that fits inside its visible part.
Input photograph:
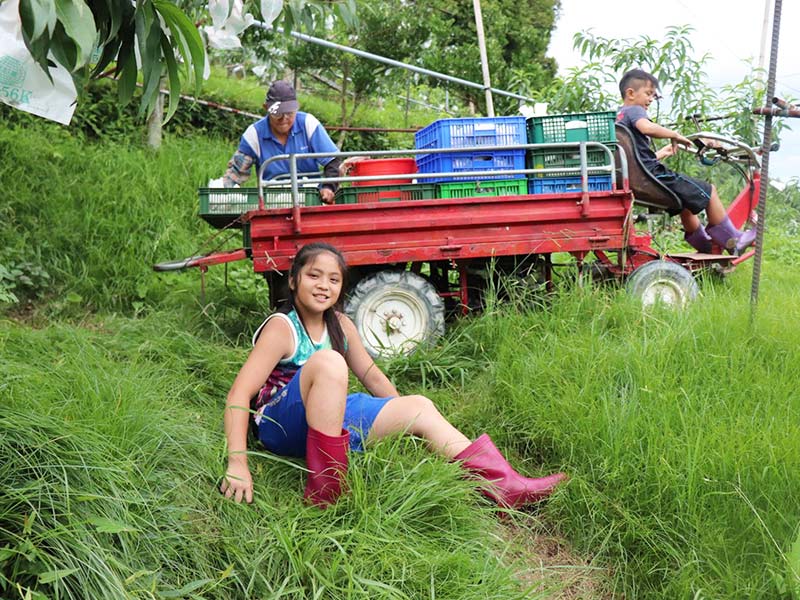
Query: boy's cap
(281, 98)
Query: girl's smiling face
(318, 284)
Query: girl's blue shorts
(283, 426)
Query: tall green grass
(98, 216)
(110, 450)
(679, 430)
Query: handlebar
(723, 149)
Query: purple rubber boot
(699, 240)
(730, 238)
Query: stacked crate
(575, 127)
(472, 133)
(222, 207)
(383, 193)
(491, 187)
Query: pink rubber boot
(505, 486)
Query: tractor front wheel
(662, 282)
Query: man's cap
(281, 98)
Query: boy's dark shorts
(695, 194)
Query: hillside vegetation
(679, 430)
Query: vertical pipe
(584, 180)
(295, 192)
(763, 47)
(408, 100)
(487, 86)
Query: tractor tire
(395, 311)
(662, 282)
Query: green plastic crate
(554, 158)
(552, 129)
(380, 193)
(470, 189)
(222, 206)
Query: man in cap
(284, 130)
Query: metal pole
(487, 85)
(763, 51)
(765, 151)
(393, 63)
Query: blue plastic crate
(568, 185)
(469, 161)
(477, 131)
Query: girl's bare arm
(653, 130)
(273, 344)
(362, 365)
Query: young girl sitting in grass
(303, 353)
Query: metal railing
(584, 170)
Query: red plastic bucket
(384, 166)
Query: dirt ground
(548, 567)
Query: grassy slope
(110, 422)
(111, 446)
(678, 429)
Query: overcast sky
(730, 30)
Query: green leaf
(105, 525)
(126, 63)
(793, 561)
(37, 16)
(102, 20)
(174, 78)
(347, 12)
(51, 576)
(148, 30)
(39, 48)
(78, 23)
(110, 51)
(120, 12)
(185, 590)
(6, 553)
(188, 39)
(137, 575)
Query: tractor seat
(647, 190)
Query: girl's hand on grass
(237, 483)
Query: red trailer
(413, 259)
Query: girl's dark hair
(636, 78)
(305, 255)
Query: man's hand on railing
(326, 195)
(348, 163)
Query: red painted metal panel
(430, 230)
(745, 202)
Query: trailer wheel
(662, 282)
(395, 311)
